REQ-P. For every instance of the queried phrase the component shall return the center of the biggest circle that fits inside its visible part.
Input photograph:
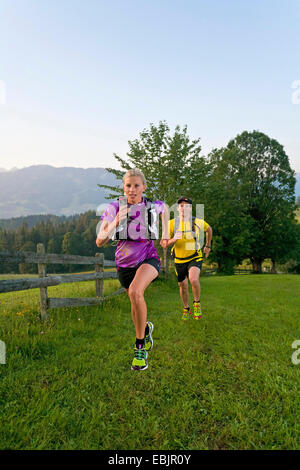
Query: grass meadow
(225, 382)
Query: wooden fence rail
(12, 285)
(44, 281)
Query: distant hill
(43, 189)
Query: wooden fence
(44, 281)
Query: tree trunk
(256, 265)
(166, 265)
(273, 267)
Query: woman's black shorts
(182, 269)
(126, 275)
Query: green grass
(225, 382)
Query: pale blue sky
(83, 78)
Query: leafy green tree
(254, 175)
(232, 228)
(164, 159)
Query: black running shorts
(182, 269)
(126, 275)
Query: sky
(80, 79)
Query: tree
(71, 243)
(164, 159)
(232, 228)
(258, 170)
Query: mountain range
(44, 189)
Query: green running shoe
(197, 311)
(186, 313)
(148, 339)
(140, 359)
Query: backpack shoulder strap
(197, 235)
(151, 219)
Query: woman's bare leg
(143, 277)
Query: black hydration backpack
(121, 232)
(196, 237)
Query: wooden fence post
(43, 290)
(99, 268)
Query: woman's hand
(164, 243)
(107, 229)
(121, 215)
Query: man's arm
(207, 246)
(166, 241)
(171, 241)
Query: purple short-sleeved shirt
(131, 253)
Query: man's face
(185, 210)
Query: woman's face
(133, 187)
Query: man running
(185, 234)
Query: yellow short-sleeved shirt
(186, 246)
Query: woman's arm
(165, 224)
(105, 232)
(107, 229)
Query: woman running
(133, 222)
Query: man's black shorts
(126, 275)
(182, 269)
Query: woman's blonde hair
(135, 172)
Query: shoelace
(139, 354)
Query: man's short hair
(184, 199)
